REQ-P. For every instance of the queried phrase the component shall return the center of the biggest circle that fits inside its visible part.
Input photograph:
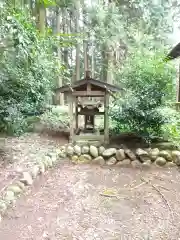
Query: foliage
(171, 129)
(27, 69)
(57, 119)
(148, 83)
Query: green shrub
(56, 119)
(149, 85)
(28, 70)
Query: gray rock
(48, 161)
(42, 168)
(85, 149)
(101, 150)
(120, 154)
(62, 154)
(35, 171)
(124, 163)
(109, 152)
(144, 158)
(26, 179)
(85, 158)
(74, 159)
(136, 164)
(15, 189)
(140, 152)
(63, 148)
(147, 164)
(3, 206)
(176, 157)
(70, 151)
(130, 154)
(160, 161)
(170, 164)
(154, 153)
(143, 155)
(9, 197)
(53, 156)
(166, 155)
(93, 151)
(77, 150)
(98, 160)
(111, 161)
(20, 184)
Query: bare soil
(20, 153)
(79, 202)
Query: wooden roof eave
(68, 88)
(174, 53)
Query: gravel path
(71, 203)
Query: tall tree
(77, 31)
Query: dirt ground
(79, 202)
(22, 152)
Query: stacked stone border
(140, 158)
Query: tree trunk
(41, 17)
(77, 10)
(59, 97)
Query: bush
(56, 120)
(28, 70)
(149, 85)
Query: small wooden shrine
(82, 100)
(173, 54)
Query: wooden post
(70, 100)
(106, 118)
(76, 113)
(178, 87)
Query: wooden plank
(106, 119)
(90, 137)
(85, 93)
(90, 113)
(88, 88)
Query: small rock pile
(120, 157)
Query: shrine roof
(96, 85)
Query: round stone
(98, 160)
(70, 151)
(101, 150)
(35, 171)
(154, 153)
(130, 154)
(85, 158)
(120, 154)
(170, 164)
(147, 164)
(141, 152)
(160, 161)
(111, 161)
(109, 152)
(93, 151)
(9, 197)
(85, 149)
(77, 150)
(136, 164)
(166, 155)
(15, 189)
(3, 206)
(176, 157)
(124, 163)
(74, 159)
